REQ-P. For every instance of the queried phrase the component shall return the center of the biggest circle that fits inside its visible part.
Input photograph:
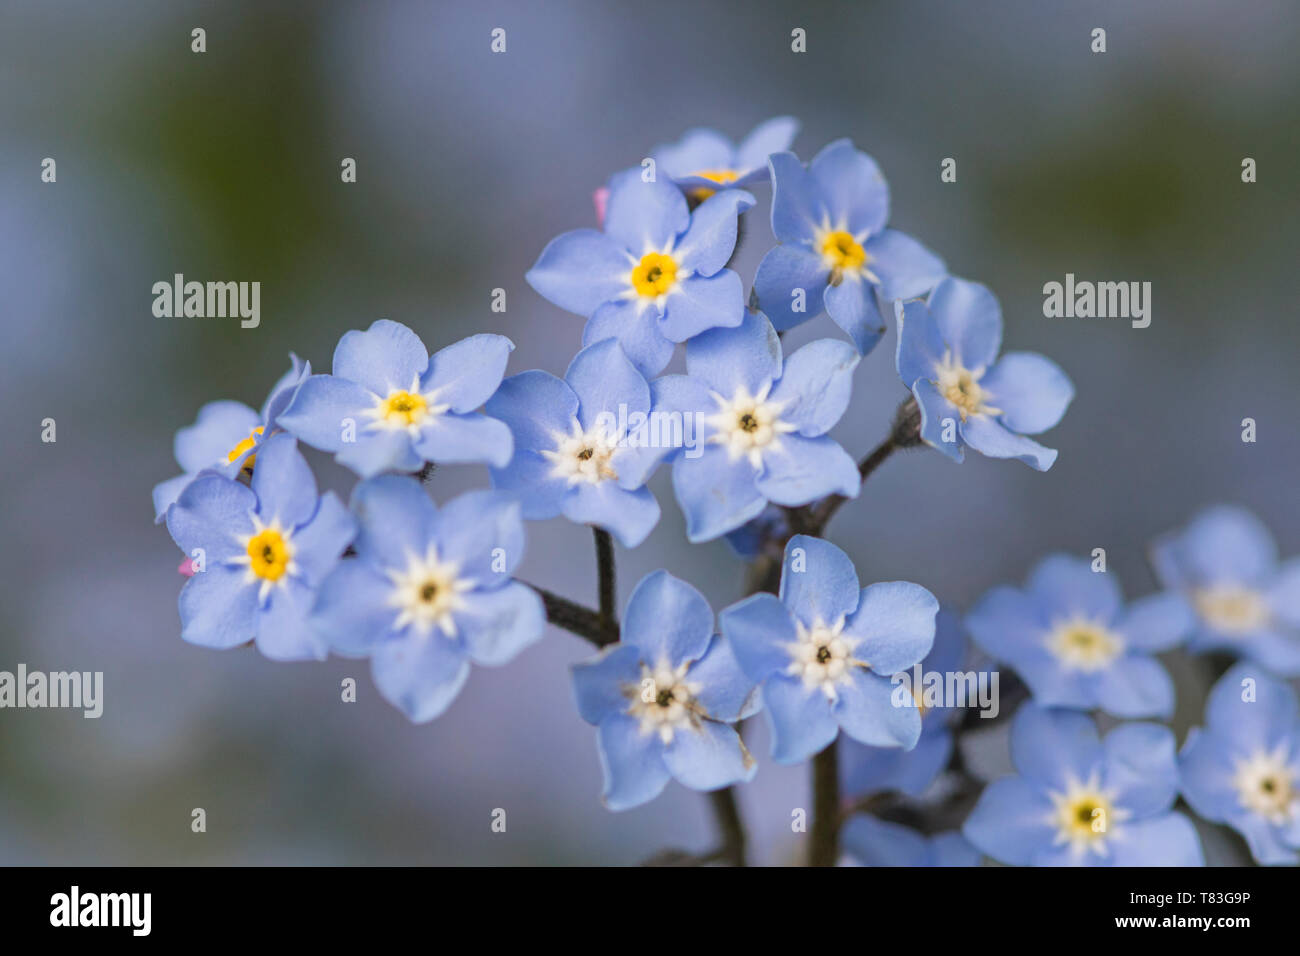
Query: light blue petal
(708, 756)
(853, 307)
(319, 544)
(801, 470)
(395, 518)
(379, 451)
(283, 630)
(1157, 622)
(856, 193)
(818, 581)
(220, 426)
(789, 277)
(1276, 651)
(1284, 594)
(420, 675)
(1227, 543)
(1009, 823)
(815, 386)
(866, 711)
(865, 770)
(770, 136)
(352, 613)
(632, 763)
(644, 216)
(669, 620)
(483, 532)
(465, 374)
(875, 842)
(210, 514)
(283, 483)
(905, 268)
(322, 408)
(801, 719)
(531, 479)
(1065, 586)
(969, 320)
(218, 608)
(601, 684)
(725, 692)
(283, 391)
(1134, 687)
(635, 323)
(950, 848)
(895, 622)
(1265, 840)
(920, 346)
(1206, 768)
(1054, 747)
(710, 239)
(452, 439)
(798, 206)
(605, 381)
(1250, 725)
(698, 304)
(165, 494)
(697, 150)
(1031, 392)
(991, 439)
(747, 356)
(1167, 840)
(535, 405)
(715, 493)
(759, 630)
(629, 515)
(385, 357)
(937, 413)
(1141, 767)
(497, 625)
(580, 270)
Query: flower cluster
(424, 589)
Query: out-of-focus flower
(704, 161)
(872, 842)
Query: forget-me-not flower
(823, 652)
(948, 356)
(1079, 800)
(584, 444)
(225, 437)
(429, 591)
(835, 252)
(390, 406)
(1069, 635)
(258, 554)
(1246, 603)
(1243, 767)
(664, 698)
(872, 842)
(761, 425)
(704, 161)
(655, 276)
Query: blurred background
(225, 166)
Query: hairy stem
(606, 578)
(824, 847)
(577, 619)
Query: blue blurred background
(225, 165)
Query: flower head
(1070, 637)
(655, 275)
(1246, 602)
(664, 698)
(258, 554)
(824, 651)
(429, 591)
(1078, 800)
(835, 252)
(390, 406)
(761, 422)
(704, 161)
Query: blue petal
(725, 692)
(759, 630)
(644, 216)
(535, 405)
(635, 323)
(857, 195)
(709, 756)
(209, 514)
(1053, 747)
(283, 391)
(1066, 586)
(866, 770)
(1157, 622)
(376, 452)
(1255, 724)
(895, 622)
(453, 439)
(818, 581)
(1030, 391)
(1205, 772)
(801, 719)
(1141, 768)
(905, 268)
(385, 357)
(396, 519)
(668, 620)
(725, 360)
(853, 307)
(1167, 840)
(1134, 687)
(283, 483)
(321, 542)
(483, 532)
(629, 515)
(698, 150)
(605, 380)
(798, 206)
(1009, 821)
(580, 270)
(867, 712)
(770, 136)
(420, 675)
(698, 304)
(352, 612)
(599, 684)
(1284, 594)
(874, 842)
(532, 480)
(937, 413)
(283, 630)
(220, 426)
(497, 625)
(218, 608)
(165, 494)
(1227, 543)
(815, 386)
(993, 440)
(920, 346)
(710, 239)
(465, 374)
(715, 493)
(785, 271)
(800, 470)
(969, 321)
(632, 763)
(321, 409)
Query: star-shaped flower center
(1266, 784)
(961, 386)
(1085, 645)
(655, 275)
(242, 447)
(843, 254)
(664, 701)
(268, 555)
(405, 408)
(1085, 816)
(747, 424)
(427, 592)
(1232, 609)
(582, 455)
(822, 655)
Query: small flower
(655, 276)
(761, 424)
(873, 842)
(1078, 800)
(225, 437)
(430, 590)
(584, 444)
(824, 651)
(264, 552)
(948, 356)
(663, 699)
(1243, 767)
(1246, 603)
(390, 406)
(835, 252)
(1070, 637)
(704, 161)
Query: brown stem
(606, 577)
(824, 848)
(580, 620)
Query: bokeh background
(225, 165)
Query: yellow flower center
(404, 408)
(721, 176)
(1084, 645)
(269, 554)
(1084, 816)
(843, 254)
(654, 275)
(243, 446)
(961, 386)
(1231, 609)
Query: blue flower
(390, 406)
(1070, 637)
(747, 541)
(655, 276)
(663, 699)
(867, 770)
(225, 437)
(704, 161)
(759, 425)
(430, 590)
(1225, 563)
(1079, 800)
(873, 842)
(948, 356)
(584, 444)
(1243, 767)
(258, 555)
(824, 651)
(835, 252)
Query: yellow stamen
(268, 554)
(843, 254)
(654, 275)
(404, 408)
(243, 446)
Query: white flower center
(1085, 816)
(1267, 785)
(427, 592)
(748, 424)
(822, 656)
(1232, 609)
(404, 409)
(961, 386)
(582, 455)
(664, 701)
(1084, 645)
